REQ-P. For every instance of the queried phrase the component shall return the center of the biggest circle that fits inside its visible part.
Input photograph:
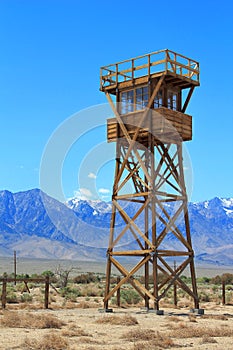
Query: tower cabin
(155, 84)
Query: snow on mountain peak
(98, 206)
(227, 202)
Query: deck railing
(148, 65)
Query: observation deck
(179, 71)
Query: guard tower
(150, 223)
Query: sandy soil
(88, 328)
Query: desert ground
(85, 327)
(75, 317)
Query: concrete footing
(151, 310)
(105, 310)
(197, 311)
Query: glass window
(127, 101)
(141, 98)
(158, 101)
(172, 100)
(134, 99)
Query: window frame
(137, 106)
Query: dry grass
(198, 332)
(192, 318)
(126, 320)
(149, 340)
(87, 340)
(173, 318)
(86, 305)
(75, 333)
(216, 317)
(13, 319)
(207, 340)
(139, 334)
(50, 341)
(176, 325)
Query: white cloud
(91, 176)
(103, 190)
(83, 193)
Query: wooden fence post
(223, 293)
(118, 293)
(4, 293)
(46, 294)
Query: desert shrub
(203, 280)
(26, 298)
(92, 291)
(216, 317)
(11, 297)
(75, 332)
(139, 335)
(158, 342)
(70, 293)
(50, 274)
(226, 277)
(30, 320)
(207, 339)
(199, 332)
(186, 279)
(204, 297)
(215, 288)
(130, 296)
(126, 320)
(86, 278)
(23, 275)
(161, 278)
(50, 341)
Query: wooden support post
(175, 287)
(26, 285)
(147, 230)
(118, 293)
(223, 292)
(46, 295)
(4, 282)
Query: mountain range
(36, 225)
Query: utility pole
(15, 265)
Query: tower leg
(187, 226)
(107, 286)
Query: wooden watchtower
(150, 223)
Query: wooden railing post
(4, 282)
(46, 295)
(149, 66)
(132, 69)
(223, 292)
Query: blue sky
(51, 52)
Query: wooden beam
(128, 276)
(185, 105)
(133, 252)
(132, 223)
(128, 226)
